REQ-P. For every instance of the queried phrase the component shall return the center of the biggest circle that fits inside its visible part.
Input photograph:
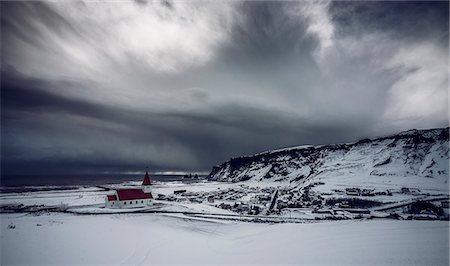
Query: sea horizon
(21, 180)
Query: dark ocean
(83, 180)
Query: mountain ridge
(412, 153)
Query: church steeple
(146, 181)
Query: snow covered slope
(419, 158)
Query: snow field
(151, 239)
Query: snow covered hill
(414, 158)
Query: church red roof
(133, 193)
(146, 181)
(112, 197)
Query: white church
(131, 197)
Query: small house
(211, 199)
(179, 191)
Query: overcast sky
(91, 87)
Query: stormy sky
(97, 87)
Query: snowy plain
(61, 238)
(152, 239)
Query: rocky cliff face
(412, 156)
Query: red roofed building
(131, 197)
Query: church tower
(147, 184)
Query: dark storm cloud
(31, 95)
(268, 32)
(27, 132)
(270, 45)
(401, 19)
(25, 21)
(86, 92)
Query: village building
(131, 197)
(211, 199)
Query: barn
(131, 197)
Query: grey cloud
(54, 130)
(263, 86)
(265, 34)
(400, 19)
(29, 23)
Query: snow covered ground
(74, 197)
(151, 239)
(185, 232)
(90, 199)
